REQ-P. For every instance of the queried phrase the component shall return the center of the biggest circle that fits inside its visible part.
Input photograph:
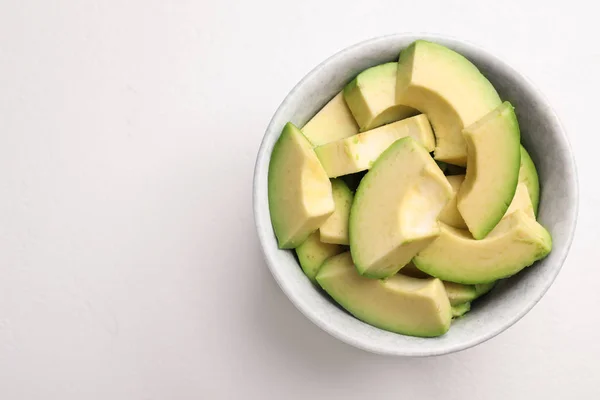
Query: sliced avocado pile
(403, 240)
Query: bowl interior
(542, 135)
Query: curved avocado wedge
(517, 242)
(448, 88)
(333, 122)
(529, 176)
(312, 253)
(335, 229)
(400, 304)
(359, 152)
(395, 209)
(371, 97)
(300, 198)
(494, 154)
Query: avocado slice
(312, 253)
(484, 288)
(359, 152)
(401, 304)
(371, 97)
(517, 242)
(395, 209)
(448, 88)
(300, 198)
(335, 229)
(460, 309)
(521, 201)
(333, 122)
(450, 214)
(459, 293)
(529, 176)
(494, 154)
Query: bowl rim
(331, 328)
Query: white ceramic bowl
(542, 134)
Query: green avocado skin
(529, 176)
(312, 253)
(461, 309)
(277, 218)
(506, 122)
(462, 303)
(281, 175)
(459, 293)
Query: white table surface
(129, 264)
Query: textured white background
(129, 264)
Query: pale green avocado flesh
(529, 176)
(333, 122)
(371, 97)
(359, 152)
(517, 242)
(459, 293)
(460, 310)
(450, 214)
(401, 304)
(448, 88)
(335, 229)
(395, 209)
(300, 196)
(521, 201)
(312, 253)
(494, 159)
